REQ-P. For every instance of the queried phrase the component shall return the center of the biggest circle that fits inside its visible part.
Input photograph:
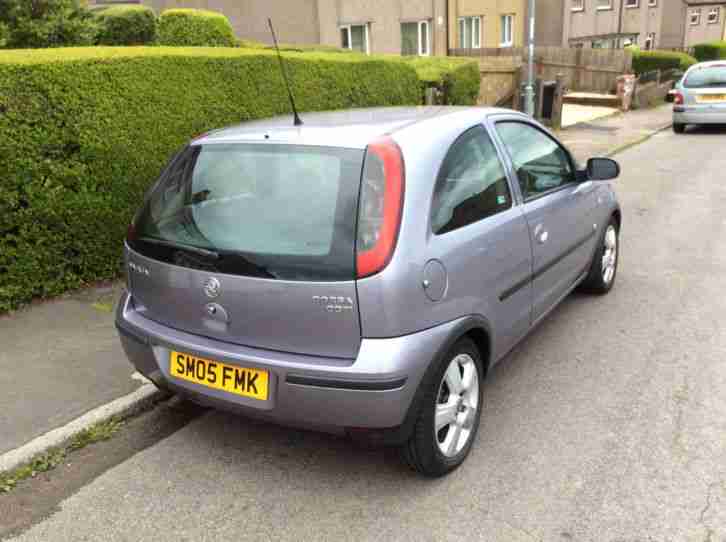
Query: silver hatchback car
(360, 274)
(700, 96)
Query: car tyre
(452, 401)
(679, 128)
(604, 266)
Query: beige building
(705, 21)
(411, 27)
(649, 24)
(475, 24)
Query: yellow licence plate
(710, 98)
(220, 376)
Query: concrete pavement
(607, 424)
(59, 359)
(602, 136)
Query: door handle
(541, 234)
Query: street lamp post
(529, 89)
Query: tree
(46, 23)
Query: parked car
(362, 273)
(700, 97)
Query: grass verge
(55, 456)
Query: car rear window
(266, 210)
(707, 77)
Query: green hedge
(459, 78)
(127, 25)
(646, 61)
(715, 50)
(195, 28)
(84, 131)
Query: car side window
(540, 163)
(471, 185)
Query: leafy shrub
(458, 78)
(127, 25)
(4, 34)
(85, 131)
(646, 61)
(195, 28)
(46, 23)
(715, 50)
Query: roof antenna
(297, 121)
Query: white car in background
(700, 97)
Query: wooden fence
(583, 70)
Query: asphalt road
(607, 424)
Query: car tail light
(678, 99)
(380, 206)
(131, 232)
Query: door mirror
(602, 169)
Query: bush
(646, 61)
(195, 28)
(715, 50)
(46, 23)
(458, 78)
(127, 25)
(85, 131)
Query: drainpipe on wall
(620, 20)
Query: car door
(481, 236)
(558, 209)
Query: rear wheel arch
(617, 215)
(474, 327)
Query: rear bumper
(699, 115)
(373, 391)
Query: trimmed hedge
(85, 131)
(646, 61)
(715, 50)
(127, 25)
(458, 78)
(195, 28)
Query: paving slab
(601, 137)
(58, 360)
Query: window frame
(632, 4)
(711, 11)
(347, 28)
(697, 13)
(604, 8)
(475, 19)
(649, 43)
(502, 157)
(510, 163)
(507, 17)
(579, 7)
(423, 23)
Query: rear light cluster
(380, 206)
(678, 99)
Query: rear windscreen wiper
(181, 246)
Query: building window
(714, 14)
(507, 31)
(470, 32)
(650, 41)
(695, 17)
(652, 3)
(415, 38)
(604, 4)
(578, 5)
(632, 3)
(355, 38)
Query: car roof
(708, 64)
(352, 128)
